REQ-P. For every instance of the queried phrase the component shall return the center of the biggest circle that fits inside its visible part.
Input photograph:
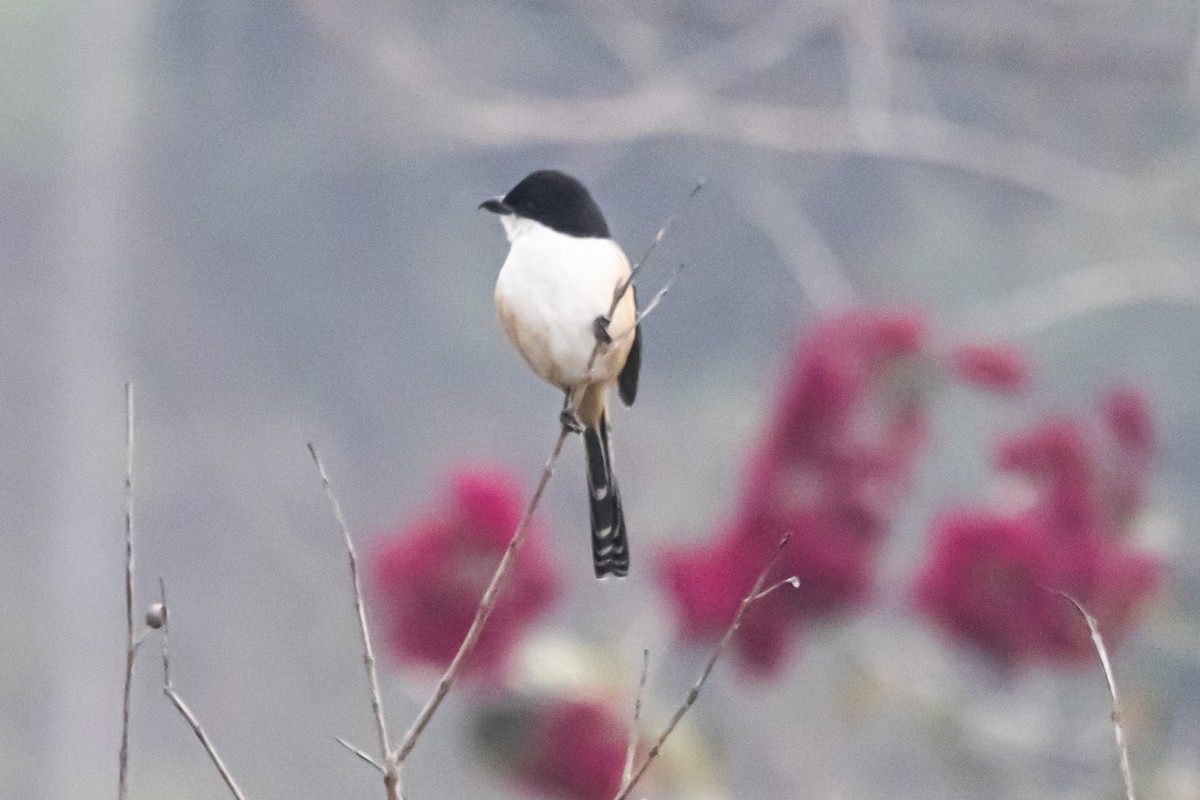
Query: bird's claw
(570, 421)
(600, 329)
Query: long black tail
(610, 547)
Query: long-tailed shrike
(553, 296)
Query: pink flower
(992, 578)
(707, 583)
(1056, 457)
(1127, 414)
(998, 368)
(1122, 582)
(560, 747)
(988, 583)
(428, 576)
(830, 468)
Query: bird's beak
(496, 205)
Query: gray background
(263, 214)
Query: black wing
(628, 379)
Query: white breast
(548, 294)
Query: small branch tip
(359, 752)
(694, 693)
(1110, 679)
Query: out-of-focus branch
(756, 593)
(389, 767)
(763, 43)
(906, 137)
(632, 40)
(1193, 65)
(864, 26)
(769, 207)
(130, 643)
(1064, 39)
(631, 748)
(1074, 295)
(1118, 727)
(676, 106)
(184, 710)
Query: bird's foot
(600, 329)
(570, 421)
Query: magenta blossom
(999, 368)
(556, 746)
(829, 468)
(992, 578)
(427, 576)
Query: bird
(554, 294)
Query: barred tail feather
(610, 547)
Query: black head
(556, 200)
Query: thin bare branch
(130, 644)
(166, 657)
(793, 581)
(182, 707)
(631, 750)
(198, 729)
(391, 775)
(754, 594)
(1118, 727)
(659, 295)
(623, 287)
(653, 304)
(359, 752)
(486, 605)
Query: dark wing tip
(627, 381)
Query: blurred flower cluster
(831, 466)
(429, 575)
(992, 575)
(427, 578)
(560, 747)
